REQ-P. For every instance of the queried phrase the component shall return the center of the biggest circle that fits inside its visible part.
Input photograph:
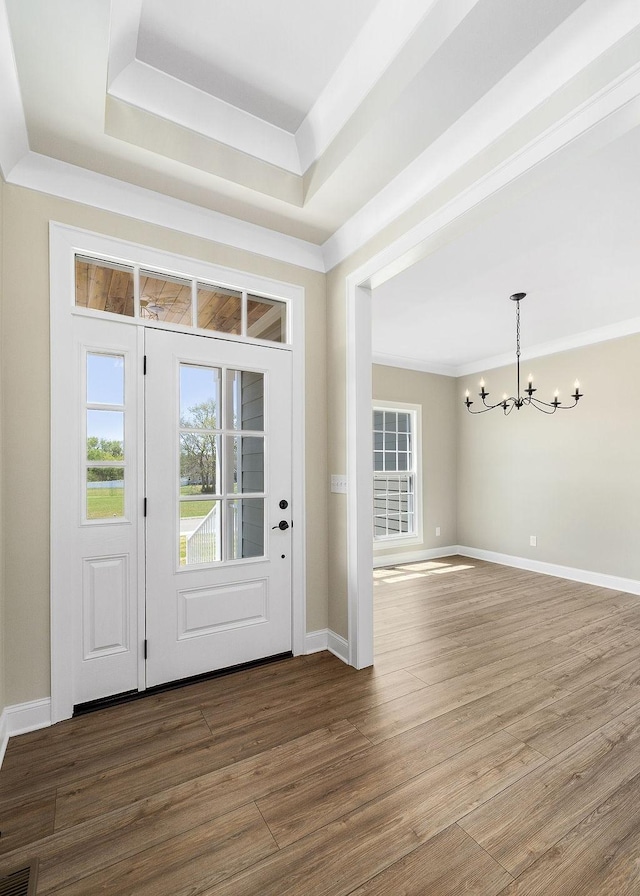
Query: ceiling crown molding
(579, 340)
(14, 142)
(572, 69)
(66, 181)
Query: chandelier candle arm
(517, 402)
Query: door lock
(283, 524)
(283, 504)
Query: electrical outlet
(339, 484)
(437, 530)
(533, 541)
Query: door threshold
(81, 709)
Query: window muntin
(395, 474)
(177, 300)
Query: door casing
(65, 242)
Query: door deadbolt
(283, 504)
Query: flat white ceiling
(571, 245)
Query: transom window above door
(177, 300)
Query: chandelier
(519, 400)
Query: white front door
(218, 508)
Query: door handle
(283, 524)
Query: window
(152, 297)
(395, 472)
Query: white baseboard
(21, 718)
(414, 556)
(4, 736)
(587, 577)
(338, 646)
(314, 642)
(325, 639)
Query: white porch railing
(203, 544)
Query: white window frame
(383, 542)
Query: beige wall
(572, 479)
(25, 416)
(436, 397)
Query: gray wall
(436, 397)
(572, 479)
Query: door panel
(218, 462)
(99, 488)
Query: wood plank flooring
(494, 748)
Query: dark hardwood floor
(493, 749)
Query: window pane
(105, 435)
(199, 397)
(105, 493)
(245, 401)
(200, 532)
(266, 319)
(390, 460)
(378, 441)
(378, 418)
(220, 309)
(165, 298)
(245, 464)
(199, 463)
(246, 528)
(390, 421)
(105, 379)
(390, 441)
(104, 287)
(403, 422)
(378, 460)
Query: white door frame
(64, 243)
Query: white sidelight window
(396, 464)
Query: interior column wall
(3, 628)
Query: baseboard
(4, 735)
(325, 639)
(21, 718)
(414, 556)
(587, 577)
(314, 642)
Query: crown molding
(583, 38)
(386, 31)
(14, 142)
(579, 340)
(46, 175)
(423, 366)
(147, 88)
